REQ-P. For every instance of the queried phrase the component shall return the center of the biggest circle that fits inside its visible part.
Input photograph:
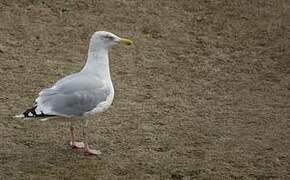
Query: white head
(103, 39)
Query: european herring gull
(83, 94)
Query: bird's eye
(109, 37)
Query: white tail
(19, 116)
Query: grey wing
(72, 97)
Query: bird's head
(107, 39)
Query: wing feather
(73, 96)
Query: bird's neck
(98, 63)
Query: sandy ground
(204, 93)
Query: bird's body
(82, 94)
(79, 94)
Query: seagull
(83, 94)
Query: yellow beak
(128, 42)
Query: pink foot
(92, 152)
(77, 145)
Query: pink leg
(87, 149)
(73, 143)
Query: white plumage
(82, 94)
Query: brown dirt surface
(204, 93)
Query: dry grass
(203, 94)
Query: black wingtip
(32, 113)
